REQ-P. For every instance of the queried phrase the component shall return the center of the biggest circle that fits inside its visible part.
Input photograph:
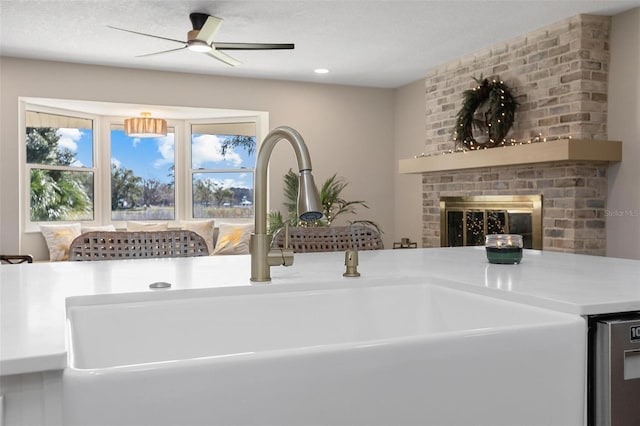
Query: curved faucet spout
(309, 206)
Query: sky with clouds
(79, 142)
(152, 158)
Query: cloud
(68, 138)
(233, 183)
(244, 180)
(240, 180)
(135, 142)
(208, 148)
(166, 149)
(116, 162)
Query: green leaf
(330, 197)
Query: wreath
(489, 109)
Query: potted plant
(332, 202)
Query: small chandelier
(145, 126)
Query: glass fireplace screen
(465, 221)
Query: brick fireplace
(559, 77)
(573, 200)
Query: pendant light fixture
(145, 126)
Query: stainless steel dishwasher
(614, 370)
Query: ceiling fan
(200, 39)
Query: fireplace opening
(465, 221)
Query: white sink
(369, 353)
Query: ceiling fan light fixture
(198, 46)
(145, 126)
(195, 44)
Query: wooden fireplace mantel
(538, 152)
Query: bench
(329, 238)
(103, 245)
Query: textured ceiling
(362, 42)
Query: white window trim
(102, 159)
(25, 169)
(261, 133)
(179, 142)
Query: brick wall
(573, 200)
(559, 76)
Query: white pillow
(204, 228)
(133, 226)
(59, 238)
(106, 228)
(233, 238)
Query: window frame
(24, 183)
(102, 161)
(189, 170)
(178, 151)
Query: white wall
(623, 207)
(410, 137)
(349, 130)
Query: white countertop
(32, 296)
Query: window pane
(142, 176)
(58, 195)
(223, 146)
(223, 157)
(223, 195)
(59, 140)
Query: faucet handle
(287, 257)
(287, 239)
(281, 256)
(287, 252)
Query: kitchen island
(33, 348)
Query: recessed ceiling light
(321, 70)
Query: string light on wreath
(489, 108)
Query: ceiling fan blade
(164, 51)
(146, 35)
(253, 46)
(209, 29)
(223, 57)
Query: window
(59, 162)
(80, 167)
(223, 157)
(142, 176)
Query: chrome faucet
(309, 206)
